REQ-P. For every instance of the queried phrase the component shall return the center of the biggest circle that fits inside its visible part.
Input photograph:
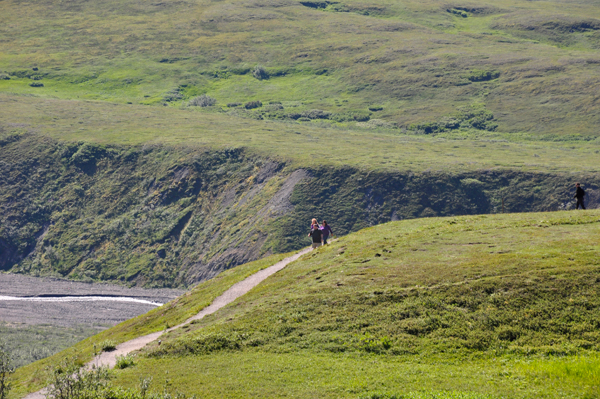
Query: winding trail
(109, 359)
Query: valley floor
(34, 329)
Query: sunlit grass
(305, 144)
(412, 57)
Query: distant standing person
(316, 234)
(326, 230)
(579, 194)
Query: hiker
(579, 194)
(326, 230)
(314, 223)
(316, 234)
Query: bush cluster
(124, 361)
(473, 117)
(202, 101)
(253, 104)
(477, 75)
(71, 380)
(173, 95)
(6, 370)
(260, 73)
(108, 346)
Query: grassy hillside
(165, 216)
(306, 145)
(33, 376)
(482, 306)
(359, 113)
(427, 66)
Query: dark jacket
(580, 193)
(316, 235)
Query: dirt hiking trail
(109, 359)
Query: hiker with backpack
(326, 230)
(316, 234)
(579, 194)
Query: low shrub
(202, 101)
(352, 116)
(316, 114)
(36, 84)
(233, 105)
(108, 345)
(253, 104)
(4, 76)
(124, 361)
(472, 117)
(477, 75)
(173, 95)
(375, 108)
(6, 370)
(273, 107)
(260, 73)
(459, 13)
(375, 345)
(71, 380)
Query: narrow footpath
(109, 359)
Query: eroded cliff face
(163, 217)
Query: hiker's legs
(579, 203)
(316, 245)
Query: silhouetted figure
(579, 194)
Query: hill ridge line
(235, 291)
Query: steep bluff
(163, 217)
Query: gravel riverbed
(99, 304)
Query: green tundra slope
(489, 306)
(360, 113)
(157, 216)
(427, 66)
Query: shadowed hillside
(163, 217)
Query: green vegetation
(156, 216)
(173, 141)
(160, 144)
(124, 361)
(108, 345)
(519, 284)
(33, 376)
(26, 344)
(507, 305)
(532, 64)
(6, 369)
